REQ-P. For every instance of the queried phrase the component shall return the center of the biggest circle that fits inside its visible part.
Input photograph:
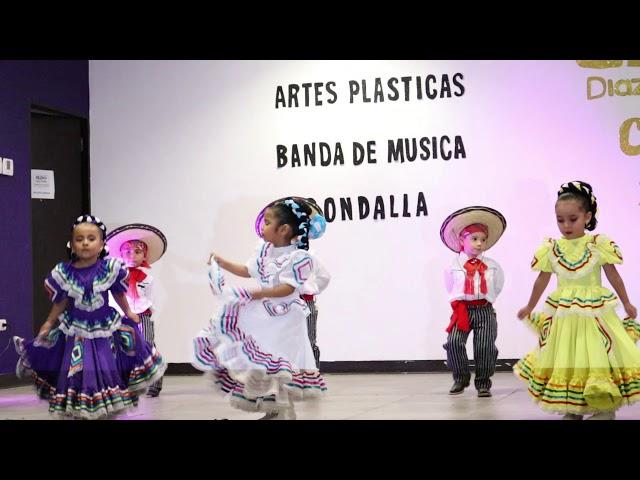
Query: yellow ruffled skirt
(584, 363)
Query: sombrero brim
(315, 209)
(458, 220)
(154, 238)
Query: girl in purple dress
(88, 360)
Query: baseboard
(402, 366)
(373, 366)
(10, 380)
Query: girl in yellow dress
(586, 361)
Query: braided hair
(295, 214)
(582, 193)
(103, 232)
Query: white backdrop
(190, 147)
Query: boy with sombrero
(473, 283)
(139, 246)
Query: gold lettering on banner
(598, 87)
(625, 130)
(590, 84)
(600, 63)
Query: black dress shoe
(457, 388)
(484, 392)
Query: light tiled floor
(396, 396)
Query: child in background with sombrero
(139, 246)
(473, 282)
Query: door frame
(85, 186)
(40, 109)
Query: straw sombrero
(458, 220)
(317, 229)
(154, 238)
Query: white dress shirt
(145, 294)
(455, 275)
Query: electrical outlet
(7, 167)
(3, 324)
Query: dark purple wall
(60, 85)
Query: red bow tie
(135, 275)
(472, 266)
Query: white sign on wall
(43, 184)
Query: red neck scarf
(472, 266)
(136, 275)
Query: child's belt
(460, 315)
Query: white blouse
(455, 275)
(145, 294)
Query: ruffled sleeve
(304, 273)
(541, 261)
(55, 282)
(319, 280)
(609, 251)
(121, 282)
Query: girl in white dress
(256, 345)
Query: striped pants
(485, 353)
(312, 324)
(146, 325)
